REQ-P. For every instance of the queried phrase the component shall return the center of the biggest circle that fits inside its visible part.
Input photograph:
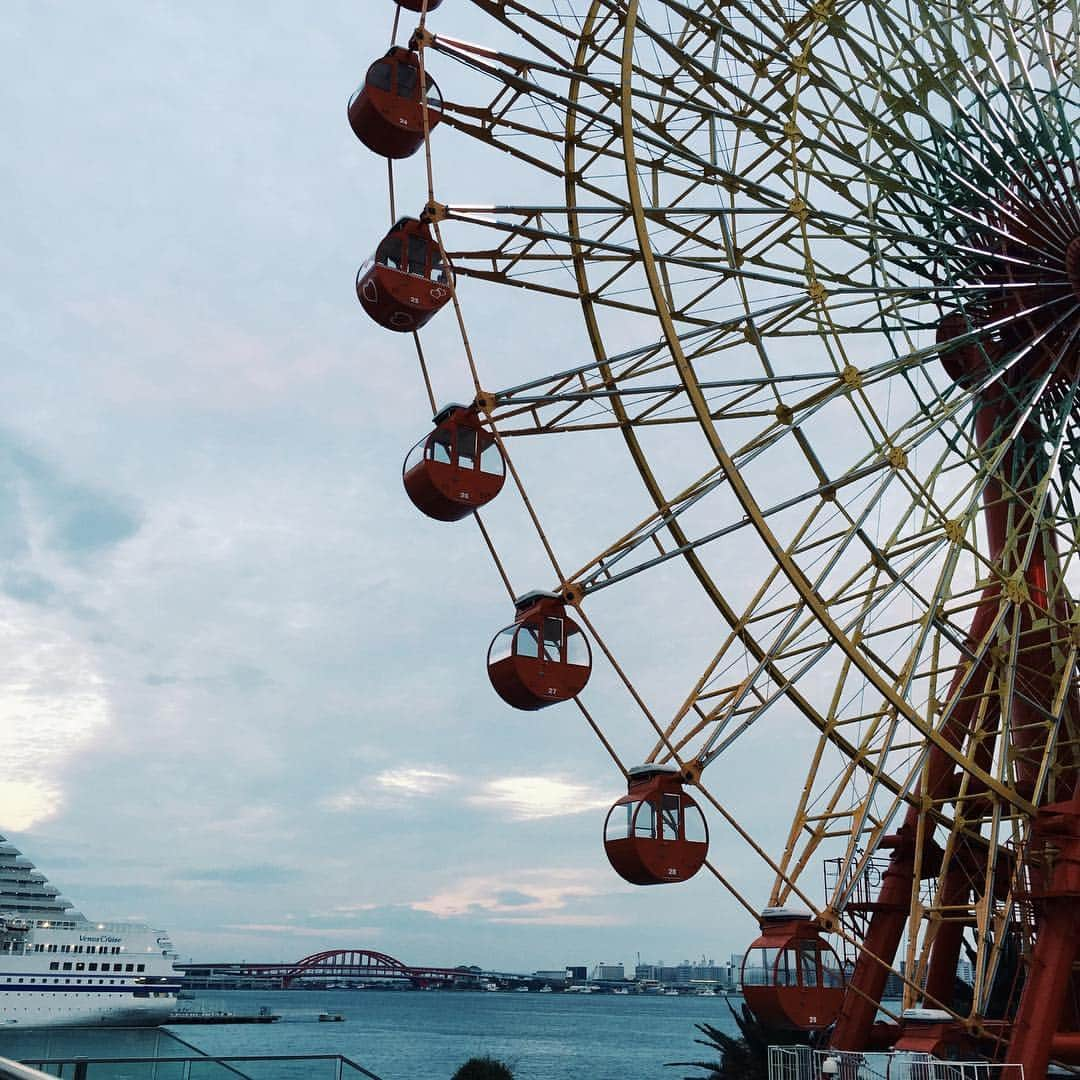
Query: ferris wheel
(827, 260)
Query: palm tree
(483, 1068)
(745, 1057)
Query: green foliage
(483, 1068)
(742, 1058)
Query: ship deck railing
(189, 1067)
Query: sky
(242, 681)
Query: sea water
(427, 1035)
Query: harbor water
(426, 1036)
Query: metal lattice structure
(843, 239)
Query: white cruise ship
(59, 968)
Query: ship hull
(46, 1009)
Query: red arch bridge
(331, 966)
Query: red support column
(1053, 859)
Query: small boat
(671, 993)
(546, 990)
(330, 1018)
(521, 989)
(707, 992)
(620, 990)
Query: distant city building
(608, 972)
(551, 976)
(576, 974)
(688, 972)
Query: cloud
(82, 528)
(550, 897)
(25, 802)
(52, 702)
(29, 587)
(519, 798)
(531, 798)
(301, 931)
(415, 782)
(76, 519)
(402, 783)
(245, 875)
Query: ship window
(78, 948)
(67, 966)
(93, 967)
(55, 965)
(65, 948)
(129, 967)
(52, 948)
(80, 967)
(141, 967)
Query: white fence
(803, 1063)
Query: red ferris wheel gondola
(656, 834)
(406, 282)
(456, 469)
(541, 659)
(387, 112)
(791, 978)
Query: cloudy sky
(241, 679)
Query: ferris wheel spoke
(536, 249)
(989, 172)
(609, 91)
(525, 21)
(833, 221)
(795, 641)
(963, 799)
(1007, 24)
(599, 573)
(923, 603)
(669, 145)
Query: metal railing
(14, 1070)
(193, 1067)
(804, 1063)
